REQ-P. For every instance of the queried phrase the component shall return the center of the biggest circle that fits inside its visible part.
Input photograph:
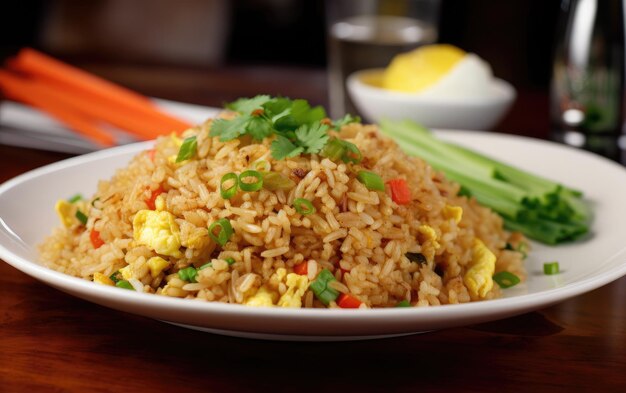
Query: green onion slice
(116, 277)
(188, 274)
(230, 260)
(275, 181)
(550, 268)
(334, 149)
(228, 192)
(371, 180)
(208, 264)
(75, 198)
(124, 284)
(187, 149)
(404, 303)
(506, 279)
(303, 206)
(221, 231)
(320, 287)
(244, 183)
(261, 166)
(81, 217)
(352, 153)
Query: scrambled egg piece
(478, 277)
(157, 265)
(66, 211)
(127, 272)
(157, 230)
(296, 287)
(455, 212)
(102, 279)
(430, 234)
(262, 298)
(292, 298)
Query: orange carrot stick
(142, 128)
(21, 90)
(34, 63)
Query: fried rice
(440, 248)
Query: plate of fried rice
(233, 236)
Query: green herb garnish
(297, 127)
(403, 303)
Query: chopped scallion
(334, 149)
(208, 264)
(275, 181)
(550, 268)
(82, 217)
(352, 153)
(371, 180)
(124, 284)
(187, 149)
(229, 191)
(403, 303)
(75, 198)
(221, 231)
(116, 277)
(230, 260)
(303, 206)
(506, 279)
(244, 180)
(261, 166)
(320, 287)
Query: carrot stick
(21, 90)
(34, 63)
(142, 128)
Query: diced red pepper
(348, 301)
(96, 241)
(301, 268)
(151, 201)
(400, 192)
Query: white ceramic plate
(27, 216)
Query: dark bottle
(587, 92)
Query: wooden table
(50, 341)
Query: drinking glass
(365, 34)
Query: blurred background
(146, 38)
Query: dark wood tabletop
(51, 341)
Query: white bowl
(481, 113)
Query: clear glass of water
(365, 34)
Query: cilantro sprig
(298, 128)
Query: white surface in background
(21, 125)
